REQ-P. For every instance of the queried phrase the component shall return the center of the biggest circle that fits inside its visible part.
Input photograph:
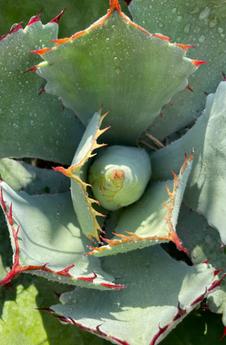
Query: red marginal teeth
(158, 334)
(216, 272)
(200, 298)
(198, 63)
(16, 28)
(113, 286)
(34, 20)
(13, 29)
(2, 201)
(57, 18)
(61, 40)
(41, 51)
(65, 271)
(10, 215)
(224, 334)
(176, 240)
(184, 46)
(162, 37)
(88, 279)
(31, 69)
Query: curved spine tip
(176, 240)
(198, 63)
(113, 286)
(34, 20)
(61, 170)
(40, 51)
(13, 29)
(184, 46)
(61, 40)
(16, 28)
(58, 17)
(65, 272)
(158, 334)
(115, 6)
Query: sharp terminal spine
(34, 20)
(58, 17)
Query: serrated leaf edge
(73, 173)
(114, 7)
(180, 314)
(17, 268)
(172, 235)
(33, 20)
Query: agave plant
(133, 212)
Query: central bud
(119, 176)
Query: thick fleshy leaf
(200, 24)
(82, 202)
(204, 245)
(171, 157)
(160, 293)
(22, 176)
(152, 219)
(24, 112)
(202, 241)
(47, 241)
(206, 192)
(99, 67)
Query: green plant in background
(133, 212)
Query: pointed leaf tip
(113, 286)
(184, 46)
(115, 6)
(34, 20)
(13, 29)
(59, 41)
(16, 27)
(61, 170)
(40, 51)
(158, 334)
(178, 243)
(58, 17)
(198, 63)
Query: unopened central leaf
(119, 176)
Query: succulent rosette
(118, 190)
